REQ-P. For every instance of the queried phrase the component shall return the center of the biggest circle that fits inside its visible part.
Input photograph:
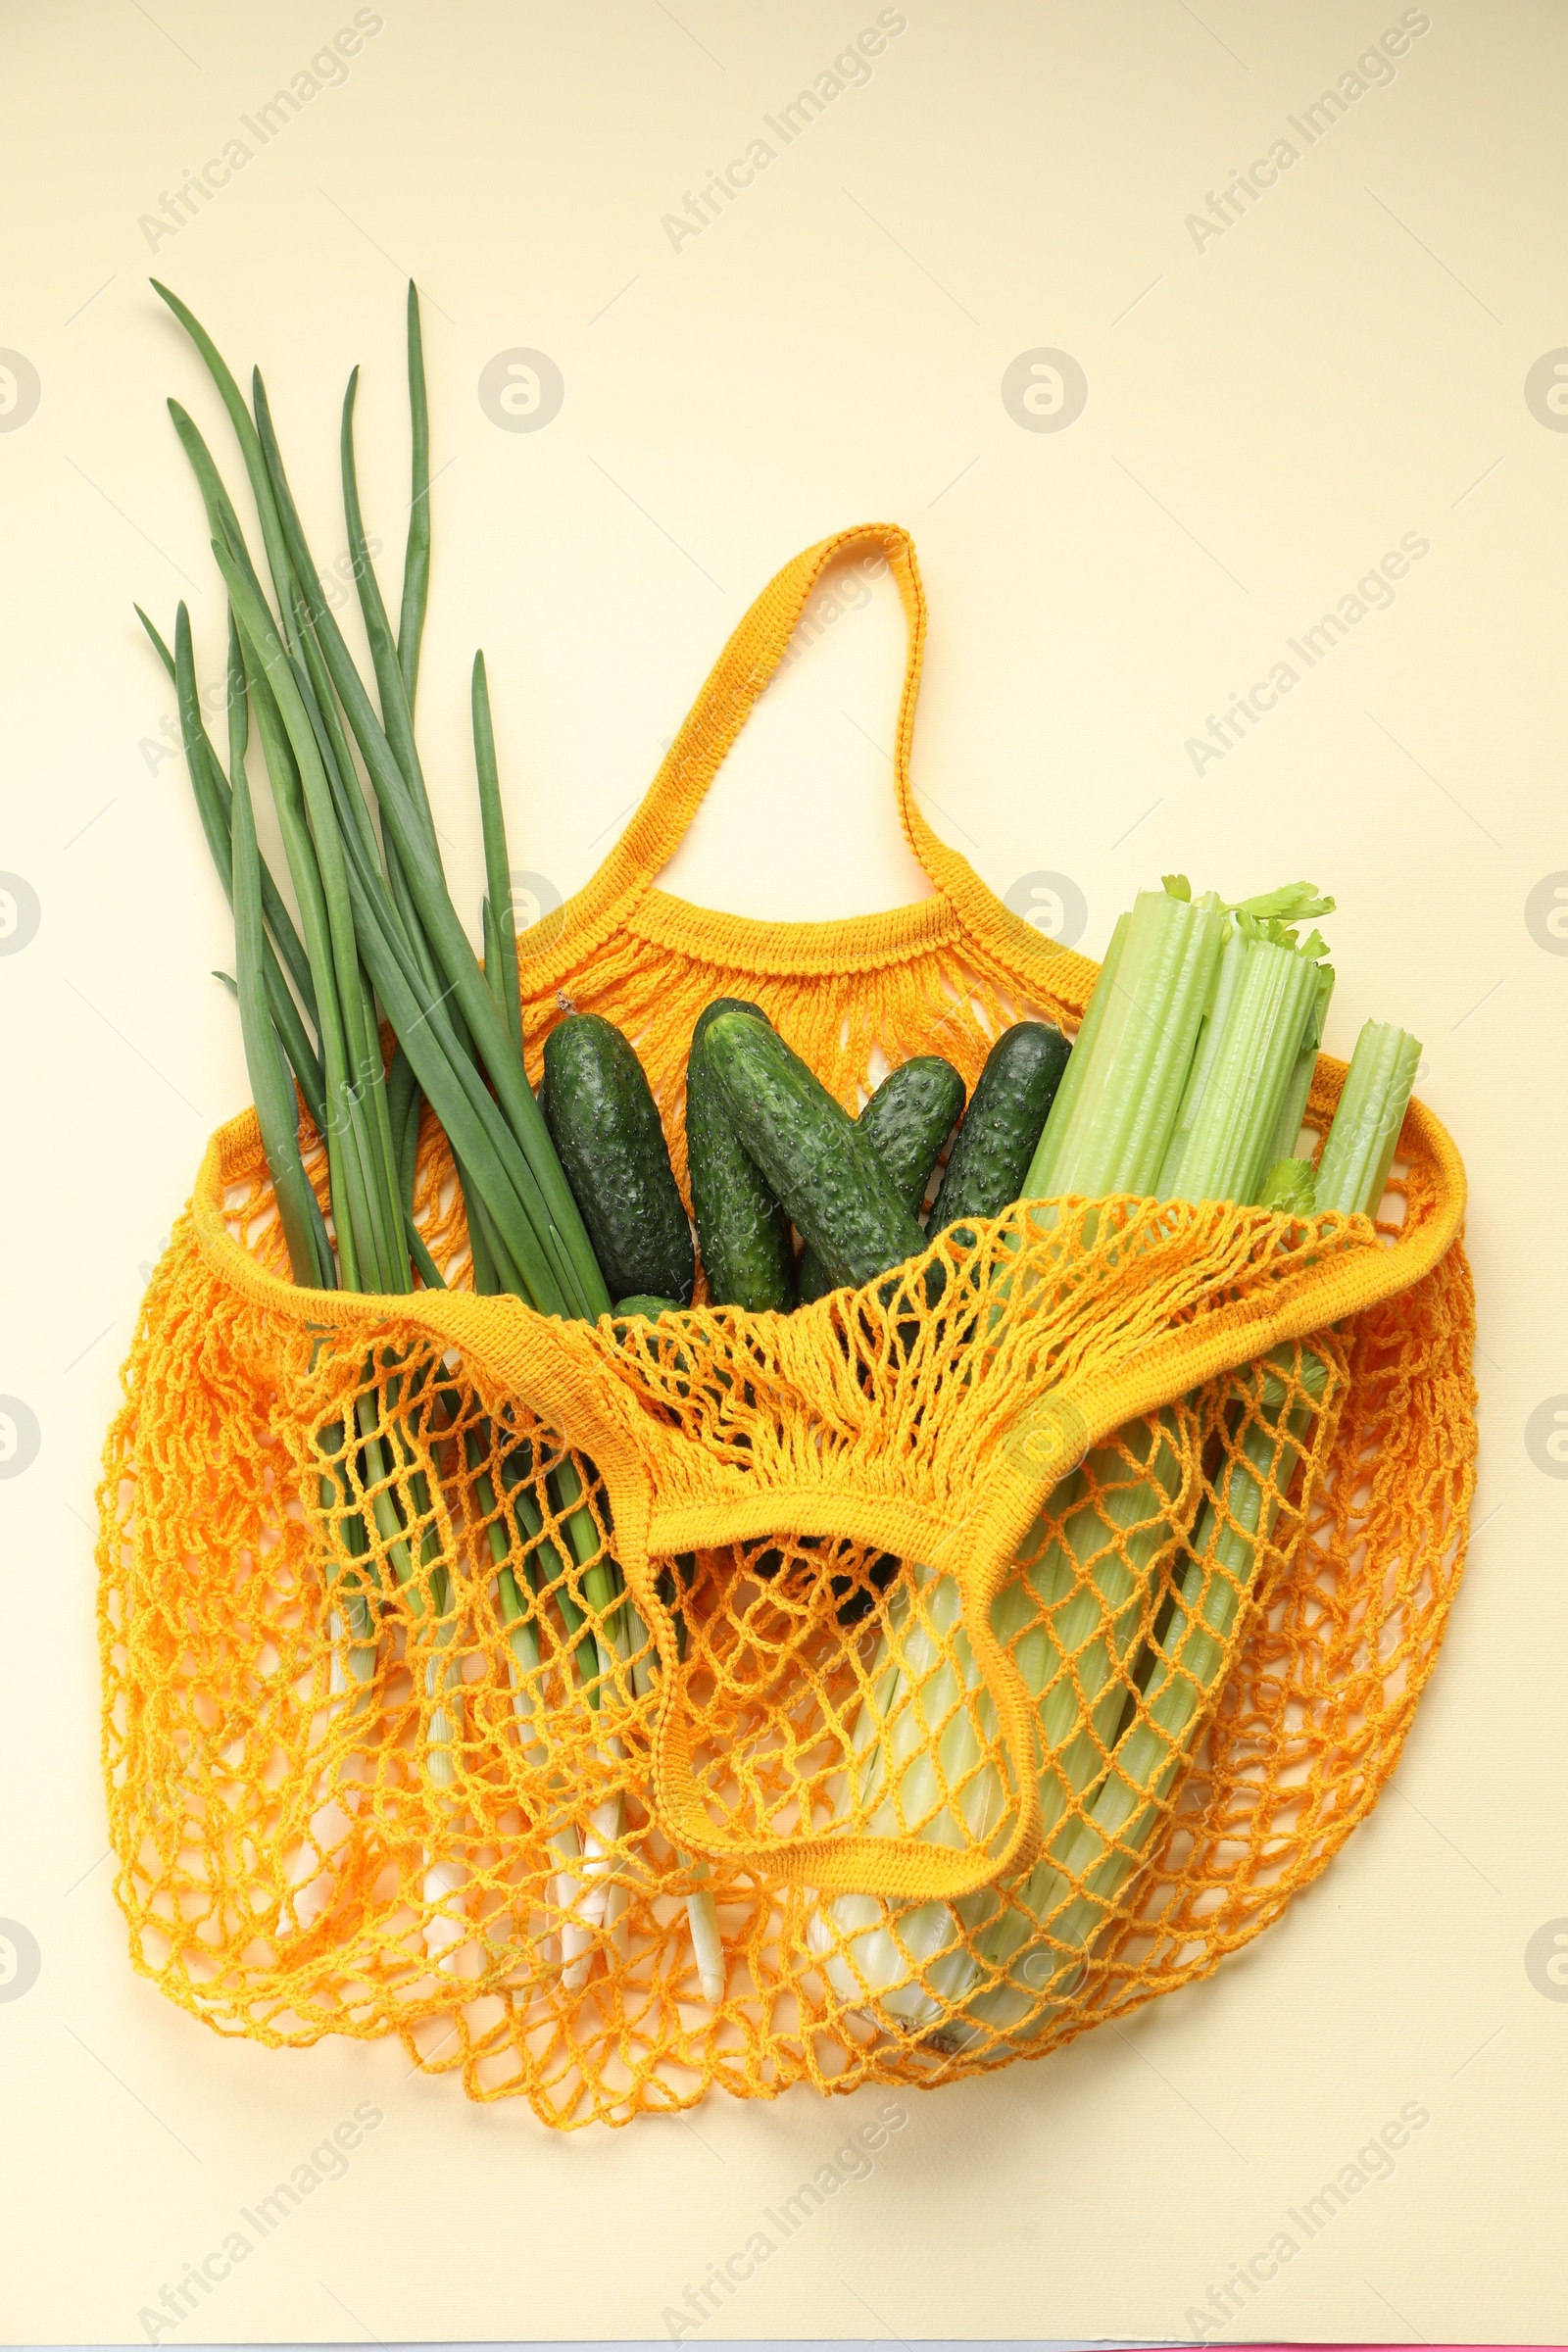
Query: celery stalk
(1293, 1112)
(1221, 1156)
(1082, 1059)
(1069, 1895)
(1233, 955)
(1099, 1851)
(1051, 1614)
(1360, 1153)
(1113, 1134)
(1190, 1053)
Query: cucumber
(854, 1594)
(604, 1122)
(993, 1149)
(648, 1306)
(908, 1119)
(742, 1232)
(821, 1165)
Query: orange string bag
(995, 1651)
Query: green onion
(500, 933)
(417, 553)
(378, 936)
(272, 1091)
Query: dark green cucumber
(908, 1119)
(604, 1124)
(992, 1151)
(856, 1593)
(821, 1165)
(742, 1232)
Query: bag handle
(738, 678)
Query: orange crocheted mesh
(991, 1666)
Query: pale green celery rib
(1037, 1185)
(1129, 1097)
(1103, 1849)
(933, 1681)
(917, 1962)
(1070, 1894)
(1360, 1153)
(1287, 1136)
(1233, 955)
(1080, 1711)
(1082, 1602)
(1222, 1159)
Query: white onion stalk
(447, 1936)
(598, 1898)
(701, 1918)
(523, 1668)
(310, 1871)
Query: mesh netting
(991, 1656)
(981, 1725)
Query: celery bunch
(1188, 1080)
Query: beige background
(1266, 417)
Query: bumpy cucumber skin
(742, 1232)
(822, 1166)
(604, 1124)
(993, 1149)
(908, 1119)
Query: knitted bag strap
(738, 678)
